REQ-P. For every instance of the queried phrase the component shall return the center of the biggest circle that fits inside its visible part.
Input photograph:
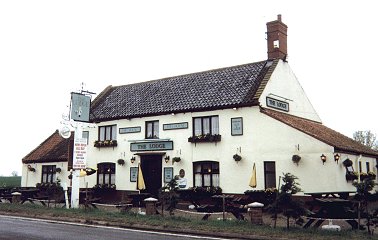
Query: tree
(363, 195)
(285, 203)
(366, 138)
(14, 174)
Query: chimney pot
(279, 17)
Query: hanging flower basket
(176, 159)
(31, 169)
(237, 157)
(296, 159)
(121, 162)
(58, 170)
(347, 162)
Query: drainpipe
(358, 167)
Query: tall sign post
(80, 107)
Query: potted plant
(296, 158)
(121, 162)
(237, 157)
(176, 159)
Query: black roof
(209, 90)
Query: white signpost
(79, 113)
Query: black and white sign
(236, 126)
(277, 104)
(172, 126)
(129, 130)
(151, 146)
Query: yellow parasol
(140, 180)
(252, 182)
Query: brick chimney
(277, 39)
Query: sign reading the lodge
(129, 130)
(277, 104)
(172, 126)
(151, 146)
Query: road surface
(12, 228)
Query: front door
(151, 167)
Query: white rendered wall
(30, 179)
(284, 83)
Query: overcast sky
(48, 48)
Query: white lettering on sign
(151, 146)
(277, 104)
(80, 153)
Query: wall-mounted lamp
(323, 158)
(132, 159)
(337, 157)
(166, 159)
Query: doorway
(151, 167)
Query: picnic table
(333, 208)
(5, 194)
(334, 194)
(223, 203)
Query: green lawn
(10, 181)
(243, 229)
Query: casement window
(206, 174)
(48, 173)
(360, 167)
(152, 129)
(107, 132)
(367, 167)
(205, 125)
(106, 173)
(270, 174)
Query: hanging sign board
(277, 104)
(80, 106)
(80, 153)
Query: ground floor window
(270, 174)
(48, 173)
(206, 174)
(106, 173)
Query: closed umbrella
(140, 180)
(252, 182)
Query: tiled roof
(215, 89)
(317, 130)
(53, 149)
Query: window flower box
(205, 138)
(106, 143)
(350, 176)
(372, 175)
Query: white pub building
(213, 126)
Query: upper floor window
(107, 133)
(205, 125)
(152, 129)
(48, 173)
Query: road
(12, 228)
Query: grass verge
(239, 229)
